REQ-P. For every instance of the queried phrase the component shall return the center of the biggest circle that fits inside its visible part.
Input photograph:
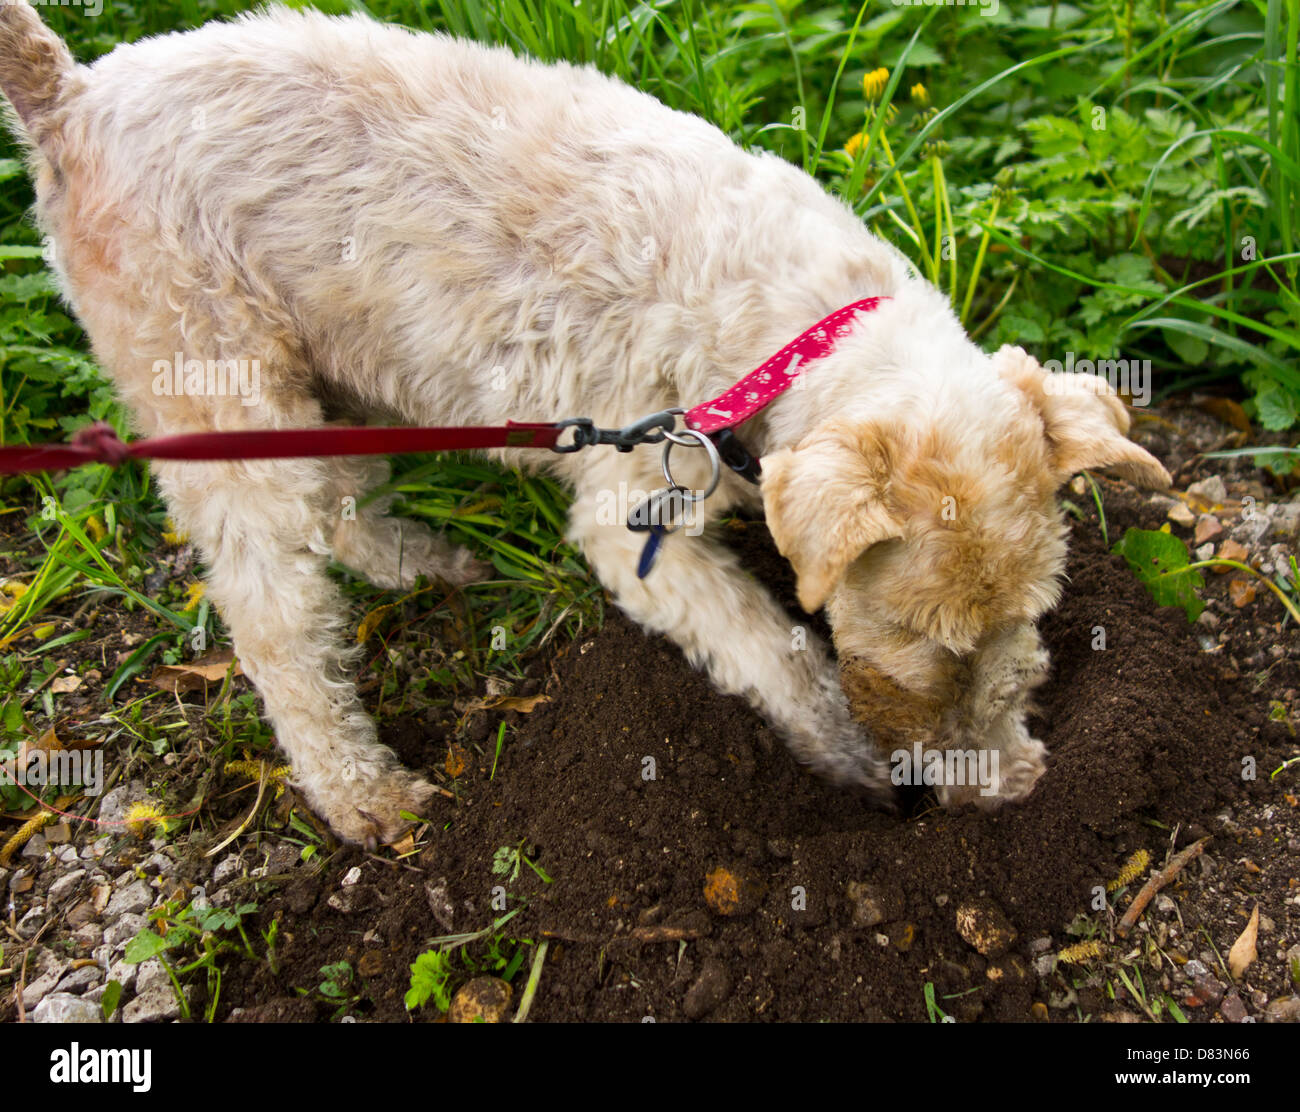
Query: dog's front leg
(262, 529)
(726, 623)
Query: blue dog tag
(650, 551)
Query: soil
(637, 781)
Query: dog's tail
(35, 65)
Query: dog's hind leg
(391, 552)
(263, 528)
(726, 623)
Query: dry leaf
(65, 684)
(1227, 411)
(180, 678)
(371, 621)
(1243, 950)
(524, 704)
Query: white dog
(416, 229)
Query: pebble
(226, 869)
(80, 979)
(984, 926)
(710, 989)
(484, 999)
(30, 923)
(1285, 1009)
(1211, 489)
(62, 1007)
(132, 899)
(1232, 1009)
(1208, 528)
(35, 846)
(1179, 514)
(49, 971)
(871, 904)
(122, 930)
(66, 885)
(152, 1007)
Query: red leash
(98, 443)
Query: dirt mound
(637, 782)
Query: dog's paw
(369, 812)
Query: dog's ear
(1085, 423)
(823, 504)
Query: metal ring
(701, 440)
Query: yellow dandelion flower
(192, 595)
(1080, 953)
(143, 817)
(920, 95)
(874, 84)
(1133, 868)
(171, 535)
(855, 144)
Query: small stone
(87, 937)
(65, 886)
(1208, 528)
(133, 899)
(1232, 1009)
(984, 926)
(81, 915)
(1179, 514)
(153, 1007)
(1206, 551)
(44, 971)
(35, 847)
(1211, 490)
(1195, 969)
(371, 964)
(1038, 1012)
(62, 1007)
(483, 1000)
(441, 903)
(1007, 970)
(872, 904)
(80, 979)
(1040, 945)
(1231, 550)
(151, 975)
(352, 876)
(1285, 1009)
(119, 932)
(710, 989)
(30, 923)
(1241, 592)
(227, 869)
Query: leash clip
(649, 430)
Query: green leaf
(144, 946)
(108, 1002)
(1158, 560)
(1191, 349)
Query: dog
(411, 228)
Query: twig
(666, 934)
(1155, 882)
